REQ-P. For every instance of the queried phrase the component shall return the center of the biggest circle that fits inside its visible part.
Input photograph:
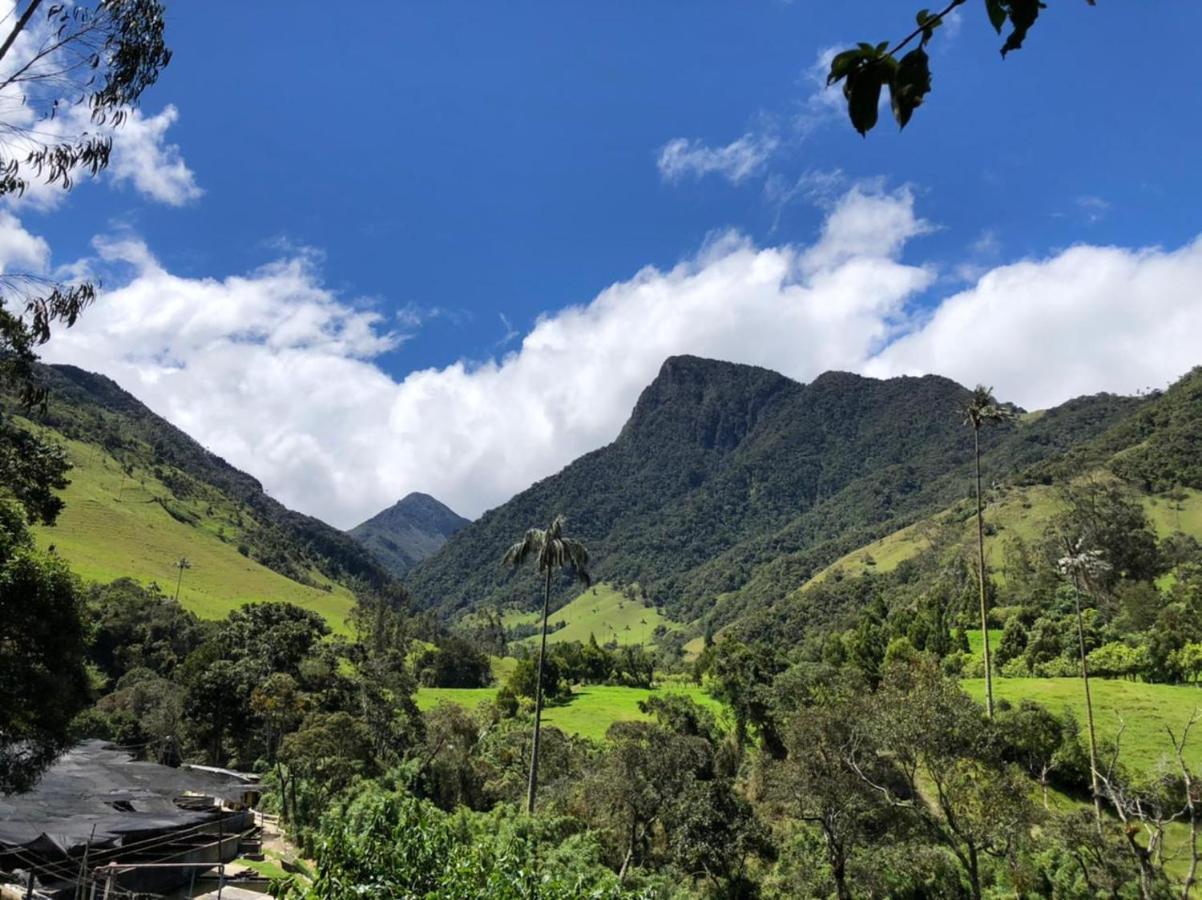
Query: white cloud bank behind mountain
(277, 373)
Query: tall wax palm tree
(1082, 567)
(551, 550)
(181, 565)
(982, 409)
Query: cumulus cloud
(736, 162)
(144, 159)
(279, 374)
(1085, 320)
(21, 251)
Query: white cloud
(143, 158)
(736, 162)
(1088, 319)
(21, 251)
(278, 374)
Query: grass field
(1145, 709)
(976, 646)
(1022, 512)
(601, 611)
(589, 712)
(1168, 515)
(113, 526)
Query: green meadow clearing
(600, 611)
(1143, 711)
(115, 526)
(588, 712)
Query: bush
(387, 843)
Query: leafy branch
(866, 69)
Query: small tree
(982, 409)
(181, 565)
(551, 550)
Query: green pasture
(601, 611)
(1142, 711)
(588, 712)
(114, 526)
(1021, 512)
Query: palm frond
(982, 408)
(532, 543)
(551, 550)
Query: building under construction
(102, 824)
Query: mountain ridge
(726, 475)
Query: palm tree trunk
(1093, 743)
(976, 444)
(178, 583)
(538, 698)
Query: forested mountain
(733, 481)
(144, 493)
(409, 531)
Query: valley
(553, 451)
(742, 566)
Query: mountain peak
(708, 402)
(407, 532)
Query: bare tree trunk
(1191, 804)
(538, 697)
(629, 856)
(976, 443)
(1093, 741)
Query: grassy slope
(112, 527)
(1023, 512)
(589, 712)
(976, 646)
(1145, 710)
(600, 611)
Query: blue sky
(461, 169)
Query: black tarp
(98, 794)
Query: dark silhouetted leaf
(997, 13)
(1023, 14)
(911, 83)
(842, 64)
(863, 92)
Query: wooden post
(82, 881)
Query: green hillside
(602, 612)
(116, 525)
(143, 495)
(1022, 511)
